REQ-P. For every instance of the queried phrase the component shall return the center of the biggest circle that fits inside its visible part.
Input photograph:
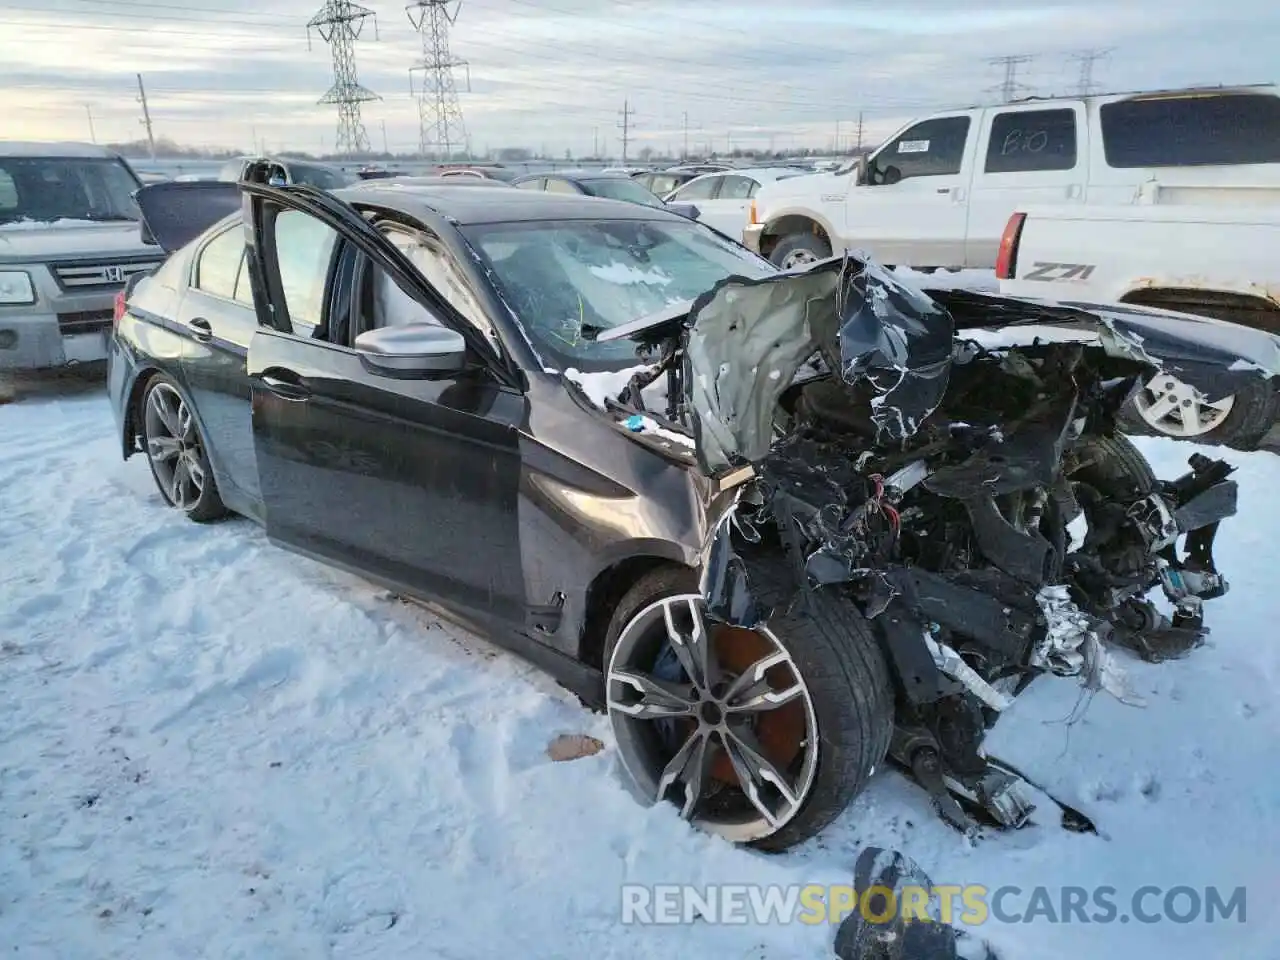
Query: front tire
(176, 452)
(760, 736)
(799, 249)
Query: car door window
(931, 148)
(561, 186)
(304, 253)
(537, 183)
(698, 189)
(443, 272)
(1024, 141)
(736, 188)
(219, 263)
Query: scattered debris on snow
(573, 746)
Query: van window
(931, 148)
(1024, 141)
(1192, 131)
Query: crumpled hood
(747, 339)
(29, 242)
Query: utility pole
(93, 136)
(146, 116)
(595, 142)
(837, 145)
(625, 125)
(859, 147)
(339, 23)
(685, 154)
(441, 130)
(1010, 87)
(1086, 59)
(384, 137)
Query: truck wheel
(759, 736)
(798, 249)
(1165, 406)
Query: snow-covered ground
(209, 747)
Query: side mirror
(414, 351)
(685, 210)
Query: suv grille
(98, 275)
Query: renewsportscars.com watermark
(968, 905)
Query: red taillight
(1007, 259)
(118, 310)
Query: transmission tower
(1086, 59)
(339, 23)
(441, 129)
(1009, 89)
(626, 113)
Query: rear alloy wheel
(176, 452)
(760, 736)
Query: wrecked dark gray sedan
(780, 526)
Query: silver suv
(69, 240)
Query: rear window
(1192, 131)
(65, 188)
(1028, 141)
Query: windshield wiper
(110, 217)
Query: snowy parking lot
(210, 747)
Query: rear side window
(1195, 131)
(931, 148)
(1024, 141)
(699, 189)
(737, 188)
(219, 265)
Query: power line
(339, 23)
(440, 125)
(1010, 87)
(1086, 59)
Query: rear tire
(837, 659)
(175, 450)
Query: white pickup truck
(940, 191)
(1211, 261)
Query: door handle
(201, 329)
(285, 384)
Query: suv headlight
(16, 288)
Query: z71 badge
(1053, 272)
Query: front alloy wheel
(730, 725)
(697, 728)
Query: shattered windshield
(65, 188)
(570, 280)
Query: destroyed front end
(948, 466)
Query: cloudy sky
(554, 75)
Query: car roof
(497, 204)
(36, 148)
